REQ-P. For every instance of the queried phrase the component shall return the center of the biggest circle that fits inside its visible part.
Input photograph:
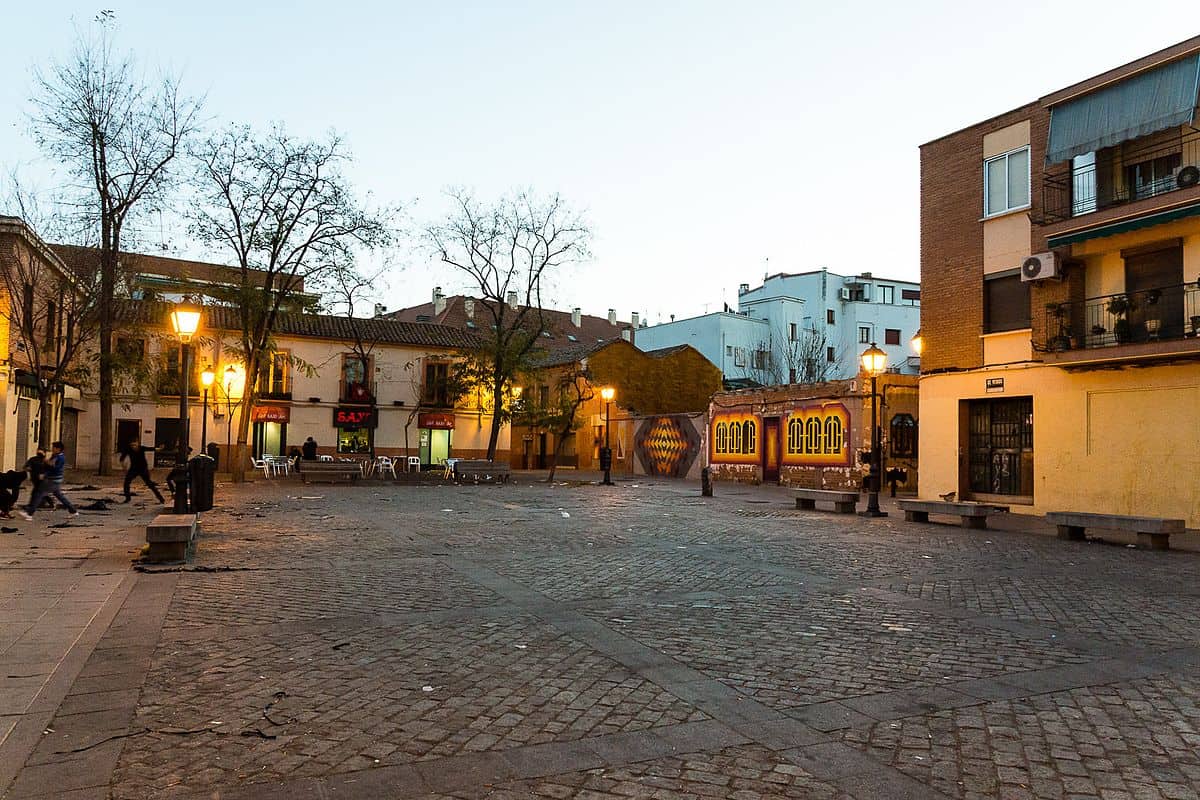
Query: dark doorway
(770, 450)
(1001, 448)
(69, 433)
(167, 433)
(542, 461)
(1154, 283)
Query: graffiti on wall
(734, 438)
(667, 446)
(817, 436)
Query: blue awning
(1154, 100)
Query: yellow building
(1060, 258)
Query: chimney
(625, 334)
(469, 307)
(511, 299)
(380, 309)
(576, 318)
(743, 288)
(633, 318)
(612, 316)
(439, 301)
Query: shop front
(436, 434)
(270, 430)
(355, 426)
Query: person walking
(138, 468)
(56, 465)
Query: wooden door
(771, 444)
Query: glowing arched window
(833, 435)
(748, 438)
(722, 436)
(735, 437)
(795, 436)
(812, 429)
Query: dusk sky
(700, 138)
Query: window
(354, 440)
(356, 371)
(722, 438)
(748, 435)
(910, 297)
(829, 318)
(436, 390)
(1154, 176)
(735, 437)
(792, 331)
(858, 292)
(739, 357)
(795, 435)
(864, 334)
(762, 359)
(791, 374)
(1005, 304)
(729, 350)
(274, 383)
(830, 356)
(168, 379)
(544, 396)
(1006, 182)
(130, 351)
(903, 436)
(833, 435)
(891, 336)
(812, 436)
(887, 294)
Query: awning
(1155, 100)
(1124, 226)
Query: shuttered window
(1005, 304)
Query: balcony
(276, 390)
(1156, 324)
(357, 393)
(1137, 170)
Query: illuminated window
(748, 437)
(722, 436)
(735, 438)
(833, 435)
(795, 436)
(812, 430)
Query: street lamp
(185, 321)
(874, 362)
(918, 343)
(606, 394)
(206, 379)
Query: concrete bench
(330, 471)
(481, 470)
(1152, 532)
(169, 536)
(973, 515)
(843, 502)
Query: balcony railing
(1121, 175)
(276, 390)
(1164, 314)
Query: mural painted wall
(734, 438)
(818, 435)
(667, 446)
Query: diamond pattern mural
(667, 446)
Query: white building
(802, 328)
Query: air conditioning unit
(844, 294)
(1039, 267)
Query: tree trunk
(241, 453)
(109, 242)
(497, 408)
(560, 438)
(45, 418)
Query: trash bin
(202, 471)
(606, 458)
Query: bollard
(706, 487)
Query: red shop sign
(436, 421)
(271, 414)
(346, 417)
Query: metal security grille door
(1001, 447)
(23, 414)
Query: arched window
(904, 436)
(748, 438)
(795, 436)
(833, 435)
(735, 437)
(812, 444)
(722, 436)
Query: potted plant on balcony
(1061, 340)
(1120, 307)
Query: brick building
(1060, 251)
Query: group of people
(46, 473)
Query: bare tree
(507, 251)
(117, 133)
(573, 390)
(763, 365)
(51, 314)
(287, 216)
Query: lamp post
(607, 394)
(185, 321)
(206, 380)
(874, 362)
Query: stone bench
(170, 535)
(843, 502)
(1152, 532)
(481, 470)
(973, 515)
(330, 471)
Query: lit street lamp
(606, 394)
(874, 362)
(206, 379)
(185, 321)
(918, 343)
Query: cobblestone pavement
(569, 641)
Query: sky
(708, 144)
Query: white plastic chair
(385, 465)
(263, 464)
